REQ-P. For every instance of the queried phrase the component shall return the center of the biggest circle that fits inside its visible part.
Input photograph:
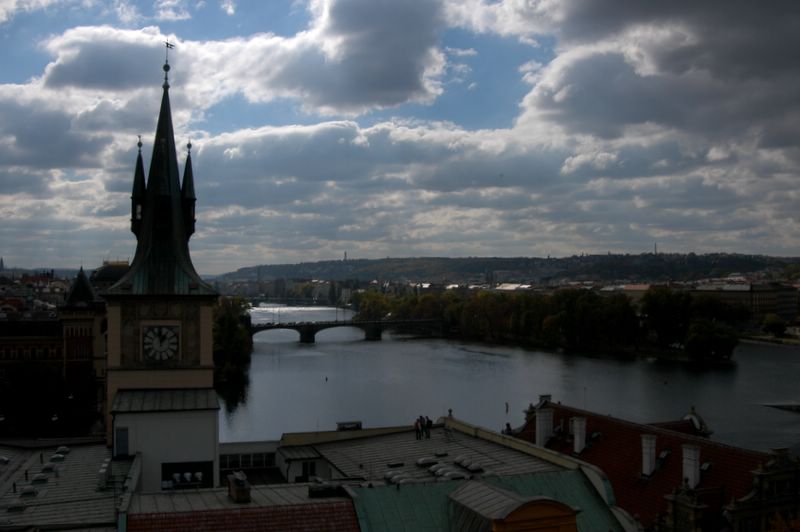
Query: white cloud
(9, 8)
(171, 10)
(228, 6)
(126, 12)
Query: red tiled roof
(686, 426)
(615, 446)
(322, 517)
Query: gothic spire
(81, 294)
(188, 197)
(138, 194)
(162, 265)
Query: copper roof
(162, 265)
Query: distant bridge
(373, 329)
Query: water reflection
(301, 387)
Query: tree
(708, 340)
(233, 346)
(774, 325)
(667, 314)
(371, 305)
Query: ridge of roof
(655, 428)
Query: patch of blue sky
(211, 22)
(235, 112)
(21, 38)
(487, 94)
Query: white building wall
(167, 437)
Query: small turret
(138, 194)
(188, 198)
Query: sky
(405, 128)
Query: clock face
(160, 342)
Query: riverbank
(637, 352)
(771, 340)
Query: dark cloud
(383, 52)
(104, 63)
(38, 137)
(733, 39)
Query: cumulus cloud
(674, 122)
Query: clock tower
(161, 402)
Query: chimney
(579, 434)
(544, 425)
(648, 454)
(691, 465)
(544, 398)
(238, 487)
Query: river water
(306, 387)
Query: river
(306, 387)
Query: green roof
(569, 487)
(427, 507)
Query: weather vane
(169, 46)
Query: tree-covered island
(665, 323)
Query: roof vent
(389, 475)
(63, 449)
(395, 464)
(238, 487)
(475, 467)
(39, 478)
(28, 491)
(4, 460)
(57, 458)
(48, 467)
(427, 461)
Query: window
(121, 441)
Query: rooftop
(128, 401)
(59, 493)
(729, 468)
(271, 508)
(372, 457)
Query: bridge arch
(373, 330)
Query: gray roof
(69, 498)
(217, 499)
(487, 501)
(130, 401)
(370, 457)
(300, 452)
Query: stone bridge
(373, 329)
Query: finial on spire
(189, 147)
(168, 46)
(139, 143)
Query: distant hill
(644, 267)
